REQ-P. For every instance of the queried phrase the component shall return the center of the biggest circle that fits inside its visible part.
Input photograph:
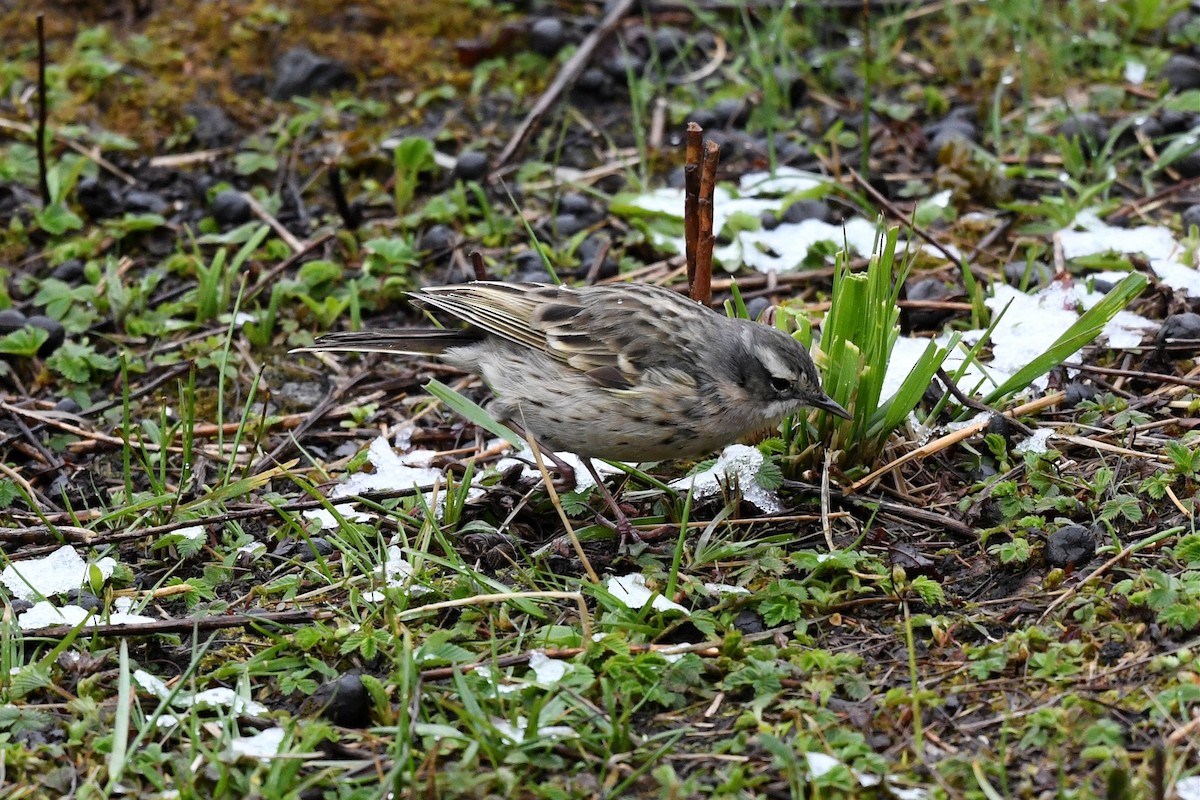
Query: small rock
(703, 117)
(791, 85)
(69, 271)
(567, 225)
(624, 65)
(97, 200)
(1111, 652)
(757, 306)
(1020, 273)
(343, 701)
(12, 320)
(1190, 217)
(1180, 329)
(547, 36)
(1077, 392)
(528, 267)
(668, 41)
(594, 83)
(732, 112)
(1174, 121)
(67, 405)
(138, 202)
(213, 127)
(957, 126)
(229, 207)
(471, 166)
(318, 547)
(437, 239)
(1188, 166)
(676, 178)
(301, 72)
(1073, 545)
(807, 209)
(768, 220)
(1001, 426)
(1182, 72)
(57, 333)
(1090, 129)
(749, 622)
(576, 203)
(590, 248)
(927, 289)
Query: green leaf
(473, 412)
(56, 219)
(1083, 332)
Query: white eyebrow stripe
(774, 364)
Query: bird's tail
(428, 342)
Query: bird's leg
(566, 473)
(622, 525)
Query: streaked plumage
(629, 372)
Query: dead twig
(691, 200)
(566, 76)
(702, 288)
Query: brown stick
(691, 200)
(185, 625)
(565, 76)
(702, 289)
(43, 183)
(477, 265)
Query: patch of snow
(263, 745)
(1035, 443)
(59, 572)
(738, 464)
(631, 590)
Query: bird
(623, 372)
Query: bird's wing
(502, 309)
(614, 334)
(611, 333)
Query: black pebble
(576, 203)
(567, 225)
(139, 202)
(230, 208)
(1077, 393)
(807, 209)
(437, 239)
(69, 271)
(1182, 72)
(547, 36)
(1190, 217)
(1015, 273)
(53, 327)
(11, 320)
(213, 126)
(757, 306)
(926, 289)
(97, 200)
(302, 72)
(669, 41)
(1179, 327)
(471, 166)
(343, 701)
(1090, 129)
(732, 112)
(67, 406)
(1073, 544)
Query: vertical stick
(691, 200)
(41, 126)
(702, 289)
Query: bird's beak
(827, 403)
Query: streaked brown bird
(626, 372)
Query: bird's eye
(780, 385)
